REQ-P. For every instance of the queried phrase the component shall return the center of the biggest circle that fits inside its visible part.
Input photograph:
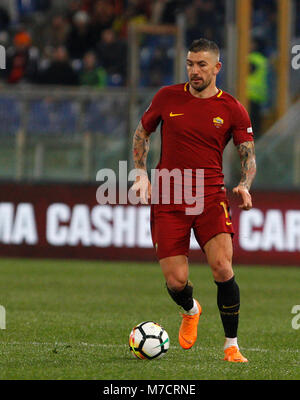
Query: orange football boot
(188, 329)
(233, 354)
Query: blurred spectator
(209, 21)
(264, 24)
(60, 71)
(29, 6)
(137, 12)
(4, 19)
(112, 54)
(165, 11)
(91, 74)
(56, 33)
(257, 85)
(72, 7)
(193, 28)
(22, 59)
(102, 18)
(80, 38)
(157, 10)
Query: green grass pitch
(72, 319)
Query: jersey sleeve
(241, 125)
(152, 116)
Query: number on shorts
(226, 212)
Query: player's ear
(218, 67)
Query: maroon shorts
(171, 227)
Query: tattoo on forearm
(141, 145)
(248, 164)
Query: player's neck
(206, 93)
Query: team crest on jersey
(218, 122)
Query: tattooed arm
(248, 170)
(141, 145)
(248, 164)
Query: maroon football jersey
(195, 131)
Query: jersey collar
(186, 89)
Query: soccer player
(197, 121)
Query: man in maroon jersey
(197, 121)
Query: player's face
(202, 69)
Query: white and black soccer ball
(148, 340)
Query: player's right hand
(142, 187)
(245, 196)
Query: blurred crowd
(84, 42)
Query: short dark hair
(204, 45)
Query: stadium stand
(35, 31)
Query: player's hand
(142, 187)
(245, 195)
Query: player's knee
(176, 283)
(222, 268)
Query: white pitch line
(62, 344)
(103, 345)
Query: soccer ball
(148, 340)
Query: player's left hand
(142, 187)
(245, 195)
